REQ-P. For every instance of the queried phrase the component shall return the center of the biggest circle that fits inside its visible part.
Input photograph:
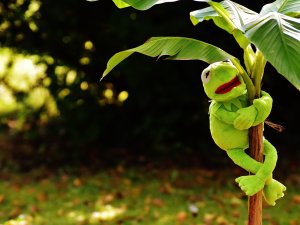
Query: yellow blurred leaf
(61, 212)
(108, 198)
(77, 182)
(76, 201)
(33, 209)
(120, 169)
(181, 217)
(156, 214)
(127, 182)
(166, 188)
(42, 197)
(15, 212)
(158, 202)
(236, 213)
(64, 178)
(221, 220)
(236, 202)
(2, 198)
(294, 222)
(296, 199)
(208, 218)
(17, 202)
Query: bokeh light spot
(84, 85)
(123, 95)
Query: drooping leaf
(140, 4)
(277, 36)
(120, 4)
(209, 13)
(227, 15)
(237, 13)
(202, 0)
(287, 7)
(176, 48)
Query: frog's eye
(205, 76)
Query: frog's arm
(263, 106)
(218, 110)
(254, 114)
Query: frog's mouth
(227, 87)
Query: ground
(122, 196)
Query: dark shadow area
(145, 111)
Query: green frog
(231, 116)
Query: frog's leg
(269, 164)
(249, 184)
(273, 189)
(242, 159)
(263, 173)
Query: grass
(135, 196)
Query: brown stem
(256, 152)
(256, 138)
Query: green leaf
(277, 36)
(227, 15)
(176, 48)
(209, 13)
(140, 4)
(287, 7)
(238, 14)
(120, 4)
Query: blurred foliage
(53, 54)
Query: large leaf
(287, 7)
(227, 15)
(209, 13)
(278, 38)
(140, 4)
(121, 4)
(237, 13)
(176, 48)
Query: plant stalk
(256, 152)
(246, 78)
(256, 140)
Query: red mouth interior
(225, 88)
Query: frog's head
(222, 81)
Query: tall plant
(272, 35)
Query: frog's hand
(246, 118)
(218, 110)
(263, 106)
(263, 171)
(250, 184)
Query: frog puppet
(230, 118)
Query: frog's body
(230, 118)
(222, 131)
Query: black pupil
(206, 74)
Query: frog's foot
(250, 184)
(273, 191)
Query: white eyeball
(205, 76)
